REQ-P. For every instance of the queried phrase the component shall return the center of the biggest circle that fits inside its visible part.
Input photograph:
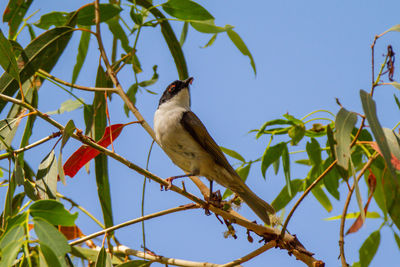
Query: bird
(186, 141)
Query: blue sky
(307, 53)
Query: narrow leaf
(270, 155)
(49, 256)
(208, 26)
(369, 108)
(186, 10)
(286, 168)
(7, 58)
(368, 248)
(103, 259)
(131, 93)
(322, 198)
(397, 238)
(238, 42)
(82, 52)
(344, 124)
(85, 153)
(14, 14)
(67, 106)
(46, 177)
(211, 41)
(314, 152)
(54, 18)
(68, 131)
(184, 32)
(283, 197)
(354, 215)
(107, 11)
(8, 129)
(232, 154)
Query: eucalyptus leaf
(368, 248)
(186, 10)
(239, 43)
(67, 106)
(52, 211)
(7, 58)
(232, 154)
(271, 154)
(344, 124)
(46, 177)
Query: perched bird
(188, 144)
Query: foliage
(339, 152)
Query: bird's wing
(198, 131)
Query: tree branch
(346, 205)
(84, 88)
(251, 255)
(143, 218)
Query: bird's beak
(188, 81)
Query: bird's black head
(174, 88)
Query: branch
(304, 195)
(346, 205)
(22, 149)
(143, 218)
(251, 255)
(288, 242)
(84, 88)
(161, 259)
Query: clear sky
(307, 53)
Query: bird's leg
(170, 179)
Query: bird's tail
(259, 206)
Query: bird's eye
(171, 88)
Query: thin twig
(346, 205)
(127, 223)
(22, 149)
(304, 195)
(84, 88)
(251, 255)
(161, 259)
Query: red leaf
(86, 153)
(359, 222)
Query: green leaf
(88, 117)
(292, 119)
(60, 169)
(51, 237)
(276, 166)
(54, 18)
(397, 238)
(369, 108)
(232, 154)
(137, 18)
(153, 79)
(208, 26)
(19, 173)
(269, 123)
(53, 212)
(271, 154)
(331, 141)
(297, 133)
(10, 252)
(314, 152)
(331, 179)
(103, 259)
(184, 32)
(82, 52)
(119, 33)
(286, 168)
(393, 142)
(344, 124)
(46, 177)
(379, 193)
(67, 106)
(284, 198)
(49, 256)
(322, 198)
(68, 131)
(107, 11)
(8, 129)
(42, 53)
(15, 233)
(90, 254)
(354, 215)
(369, 248)
(131, 93)
(7, 58)
(101, 161)
(170, 38)
(238, 42)
(14, 14)
(19, 219)
(186, 10)
(397, 101)
(211, 41)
